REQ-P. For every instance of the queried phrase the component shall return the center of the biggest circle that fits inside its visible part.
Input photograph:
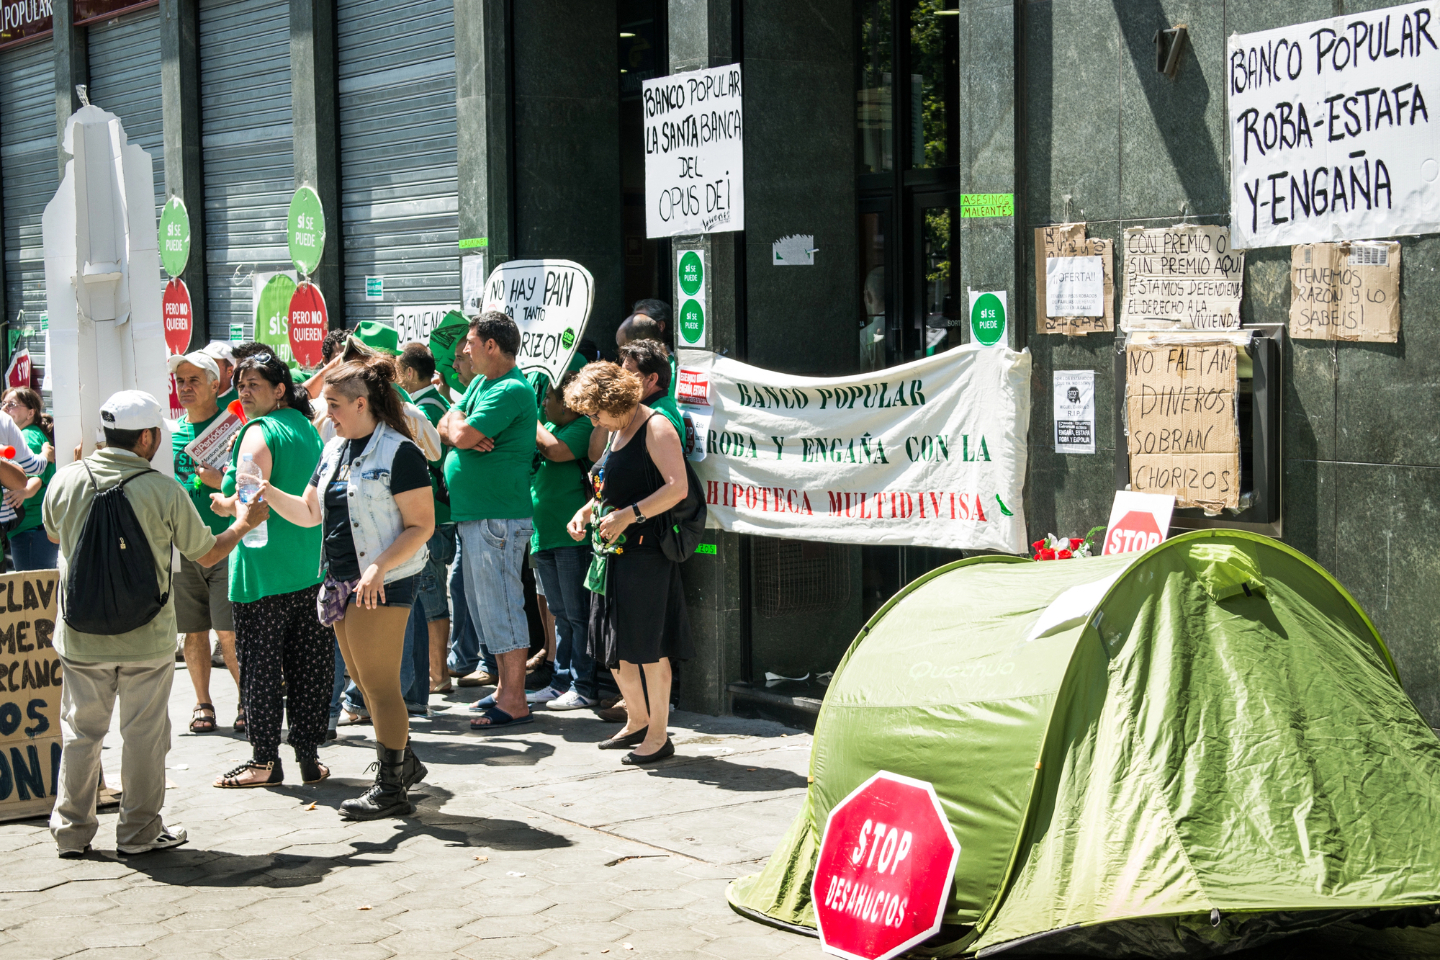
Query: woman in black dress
(637, 610)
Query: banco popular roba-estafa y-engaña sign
(929, 453)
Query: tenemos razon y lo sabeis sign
(1331, 131)
(929, 453)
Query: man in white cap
(224, 356)
(202, 594)
(136, 666)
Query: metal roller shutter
(399, 192)
(125, 79)
(247, 148)
(29, 177)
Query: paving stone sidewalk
(535, 844)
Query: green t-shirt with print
(290, 559)
(670, 410)
(559, 488)
(494, 485)
(35, 439)
(185, 432)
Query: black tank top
(627, 476)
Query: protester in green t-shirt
(488, 474)
(287, 656)
(647, 360)
(202, 594)
(30, 549)
(559, 489)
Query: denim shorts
(494, 551)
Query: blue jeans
(32, 550)
(492, 553)
(464, 641)
(562, 571)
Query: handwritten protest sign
(1068, 240)
(1181, 277)
(29, 695)
(1183, 436)
(694, 152)
(1343, 291)
(415, 324)
(929, 453)
(1330, 130)
(549, 300)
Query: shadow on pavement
(727, 774)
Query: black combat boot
(386, 798)
(414, 771)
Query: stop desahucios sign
(883, 875)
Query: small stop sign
(175, 306)
(307, 324)
(884, 870)
(1137, 530)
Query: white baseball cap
(197, 359)
(220, 350)
(131, 410)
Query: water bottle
(247, 485)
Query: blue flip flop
(498, 719)
(483, 704)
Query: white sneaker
(570, 700)
(542, 696)
(166, 840)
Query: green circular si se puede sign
(174, 236)
(306, 230)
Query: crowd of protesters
(378, 534)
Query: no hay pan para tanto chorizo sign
(550, 302)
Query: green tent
(1187, 751)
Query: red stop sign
(884, 870)
(1137, 530)
(307, 324)
(178, 318)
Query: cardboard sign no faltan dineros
(29, 694)
(1183, 437)
(1345, 291)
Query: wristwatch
(639, 517)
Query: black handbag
(682, 527)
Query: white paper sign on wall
(1074, 287)
(1331, 136)
(1074, 411)
(694, 152)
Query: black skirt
(641, 616)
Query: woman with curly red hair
(637, 611)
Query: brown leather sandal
(202, 718)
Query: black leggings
(287, 663)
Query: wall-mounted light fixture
(1169, 45)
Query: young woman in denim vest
(371, 492)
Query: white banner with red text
(930, 453)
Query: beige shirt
(165, 512)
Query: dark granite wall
(1361, 422)
(567, 147)
(800, 178)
